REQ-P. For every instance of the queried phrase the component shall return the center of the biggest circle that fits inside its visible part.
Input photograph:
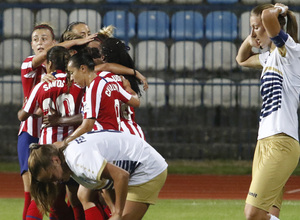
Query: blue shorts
(24, 140)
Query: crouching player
(98, 160)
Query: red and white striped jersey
(102, 102)
(128, 123)
(30, 77)
(56, 95)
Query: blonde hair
(69, 35)
(107, 31)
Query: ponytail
(292, 26)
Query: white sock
(274, 217)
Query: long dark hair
(115, 51)
(59, 56)
(84, 57)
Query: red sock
(107, 211)
(33, 212)
(78, 212)
(27, 201)
(61, 210)
(94, 213)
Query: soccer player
(32, 69)
(65, 97)
(277, 150)
(97, 160)
(101, 103)
(114, 50)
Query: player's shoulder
(29, 58)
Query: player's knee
(252, 213)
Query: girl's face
(258, 32)
(81, 29)
(54, 173)
(77, 75)
(41, 39)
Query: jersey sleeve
(292, 49)
(92, 101)
(31, 102)
(88, 165)
(124, 95)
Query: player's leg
(134, 210)
(139, 197)
(253, 213)
(60, 209)
(24, 140)
(89, 199)
(274, 160)
(72, 189)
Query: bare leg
(134, 210)
(26, 181)
(253, 213)
(87, 197)
(275, 211)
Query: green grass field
(175, 210)
(179, 209)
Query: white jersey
(88, 155)
(280, 88)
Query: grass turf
(213, 167)
(183, 209)
(181, 167)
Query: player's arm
(55, 119)
(86, 126)
(40, 58)
(134, 101)
(121, 70)
(245, 56)
(23, 115)
(270, 21)
(120, 178)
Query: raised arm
(40, 58)
(121, 70)
(245, 56)
(134, 101)
(270, 19)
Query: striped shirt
(31, 77)
(57, 96)
(102, 102)
(280, 90)
(128, 123)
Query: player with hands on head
(277, 150)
